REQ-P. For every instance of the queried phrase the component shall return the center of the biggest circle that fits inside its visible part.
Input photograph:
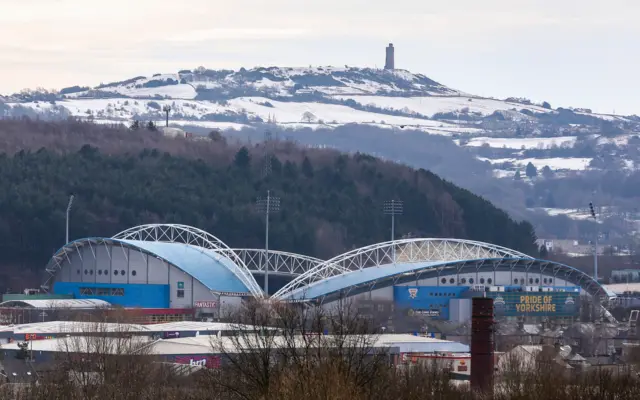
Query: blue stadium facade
(175, 266)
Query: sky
(570, 53)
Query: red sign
(206, 304)
(34, 336)
(209, 362)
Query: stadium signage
(209, 362)
(233, 294)
(206, 304)
(534, 304)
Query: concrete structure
(390, 57)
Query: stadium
(173, 272)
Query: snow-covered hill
(509, 132)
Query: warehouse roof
(57, 303)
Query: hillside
(579, 151)
(331, 202)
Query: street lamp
(67, 223)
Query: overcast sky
(571, 53)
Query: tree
(550, 202)
(546, 105)
(135, 125)
(517, 176)
(242, 159)
(547, 172)
(307, 168)
(543, 251)
(308, 117)
(216, 136)
(151, 126)
(531, 170)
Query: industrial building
(174, 273)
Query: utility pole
(67, 220)
(595, 247)
(393, 208)
(268, 205)
(167, 110)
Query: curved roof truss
(279, 262)
(401, 251)
(176, 233)
(390, 275)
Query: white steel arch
(176, 233)
(279, 262)
(405, 251)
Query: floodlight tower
(167, 110)
(595, 247)
(267, 205)
(393, 208)
(71, 197)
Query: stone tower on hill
(390, 62)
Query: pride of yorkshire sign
(535, 304)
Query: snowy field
(522, 143)
(432, 105)
(556, 164)
(315, 115)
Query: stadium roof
(215, 271)
(57, 303)
(365, 279)
(370, 267)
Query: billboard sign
(206, 304)
(535, 304)
(209, 362)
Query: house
(526, 358)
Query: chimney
(482, 361)
(390, 59)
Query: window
(99, 272)
(522, 281)
(79, 272)
(530, 281)
(134, 273)
(550, 281)
(86, 291)
(515, 281)
(86, 271)
(482, 280)
(471, 281)
(463, 280)
(117, 291)
(103, 292)
(380, 306)
(537, 280)
(489, 281)
(443, 280)
(545, 280)
(180, 293)
(115, 272)
(452, 281)
(106, 272)
(122, 273)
